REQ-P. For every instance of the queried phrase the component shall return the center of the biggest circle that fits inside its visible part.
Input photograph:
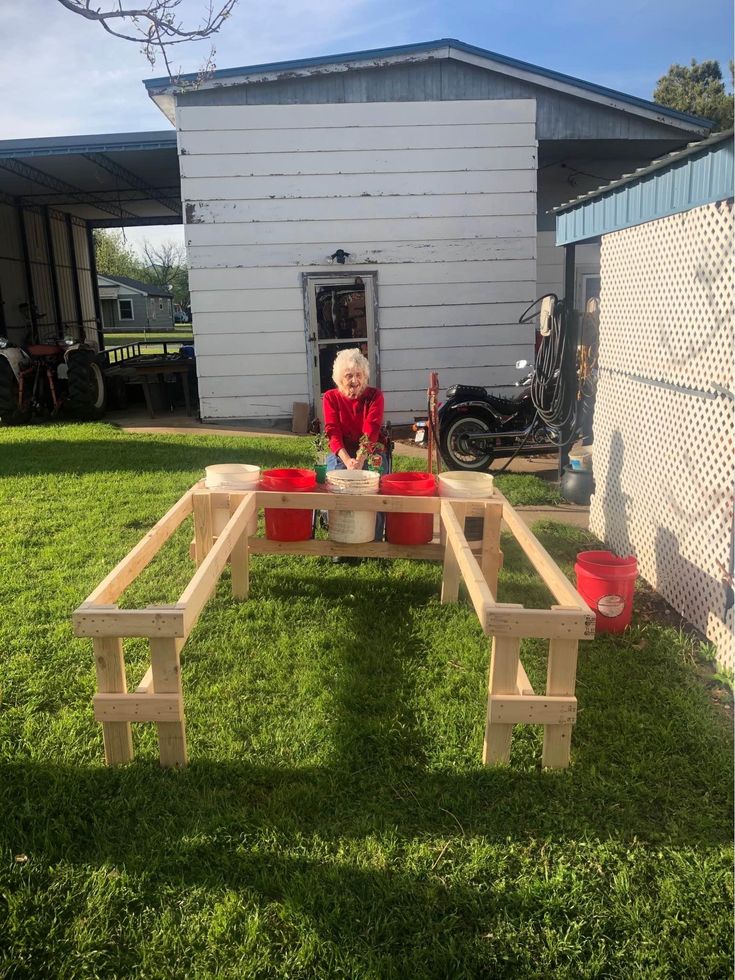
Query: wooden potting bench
(224, 530)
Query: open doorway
(340, 314)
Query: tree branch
(157, 25)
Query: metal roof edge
(90, 143)
(691, 149)
(163, 84)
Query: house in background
(127, 305)
(664, 420)
(394, 199)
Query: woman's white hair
(352, 358)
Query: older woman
(351, 410)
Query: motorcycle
(476, 427)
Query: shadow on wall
(616, 504)
(690, 589)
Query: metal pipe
(75, 275)
(53, 271)
(95, 287)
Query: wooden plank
(97, 621)
(523, 685)
(477, 587)
(132, 707)
(451, 573)
(561, 678)
(507, 619)
(126, 571)
(146, 682)
(203, 526)
(312, 254)
(502, 680)
(368, 230)
(167, 680)
(239, 559)
(325, 500)
(359, 208)
(222, 345)
(366, 139)
(491, 558)
(204, 582)
(336, 115)
(287, 388)
(293, 187)
(484, 324)
(373, 549)
(249, 300)
(557, 582)
(110, 669)
(520, 709)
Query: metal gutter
(105, 142)
(671, 158)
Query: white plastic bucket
(352, 526)
(231, 476)
(462, 483)
(580, 459)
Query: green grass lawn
(335, 819)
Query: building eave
(163, 91)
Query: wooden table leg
(561, 677)
(503, 680)
(110, 667)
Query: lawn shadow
(170, 454)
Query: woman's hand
(353, 464)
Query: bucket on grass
(288, 524)
(606, 584)
(409, 528)
(231, 476)
(352, 526)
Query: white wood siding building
(435, 201)
(433, 166)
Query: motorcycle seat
(466, 391)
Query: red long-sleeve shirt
(345, 419)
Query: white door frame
(310, 282)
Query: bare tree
(156, 24)
(166, 267)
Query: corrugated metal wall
(664, 427)
(66, 318)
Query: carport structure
(53, 193)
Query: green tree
(698, 89)
(115, 257)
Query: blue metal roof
(699, 174)
(98, 143)
(408, 49)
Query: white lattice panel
(665, 471)
(667, 296)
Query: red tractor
(45, 379)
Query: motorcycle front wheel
(457, 447)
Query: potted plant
(371, 453)
(321, 448)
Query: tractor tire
(86, 385)
(10, 412)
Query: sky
(61, 75)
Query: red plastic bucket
(288, 524)
(606, 584)
(409, 528)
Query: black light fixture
(339, 256)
